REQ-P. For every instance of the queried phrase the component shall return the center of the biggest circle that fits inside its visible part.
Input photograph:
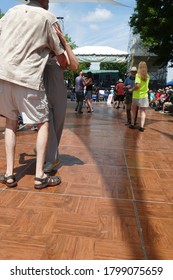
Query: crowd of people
(132, 94)
(32, 89)
(162, 100)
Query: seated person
(167, 104)
(154, 103)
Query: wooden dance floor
(116, 196)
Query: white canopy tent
(96, 53)
(97, 1)
(100, 54)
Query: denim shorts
(88, 94)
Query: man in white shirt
(27, 37)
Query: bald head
(44, 3)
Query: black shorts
(120, 98)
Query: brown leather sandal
(4, 179)
(47, 181)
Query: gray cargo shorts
(30, 103)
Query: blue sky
(91, 23)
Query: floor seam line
(136, 212)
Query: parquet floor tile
(152, 186)
(117, 251)
(11, 198)
(18, 251)
(116, 196)
(158, 219)
(65, 247)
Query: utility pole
(61, 23)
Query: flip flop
(4, 179)
(47, 181)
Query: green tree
(1, 14)
(69, 40)
(70, 75)
(120, 66)
(152, 19)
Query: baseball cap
(133, 69)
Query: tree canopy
(68, 74)
(120, 66)
(1, 14)
(152, 19)
(70, 42)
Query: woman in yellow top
(140, 94)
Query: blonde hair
(142, 70)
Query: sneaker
(127, 123)
(161, 112)
(49, 166)
(34, 128)
(141, 129)
(131, 126)
(21, 126)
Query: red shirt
(157, 95)
(119, 89)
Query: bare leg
(143, 116)
(41, 144)
(163, 108)
(89, 105)
(133, 111)
(10, 144)
(118, 105)
(41, 179)
(115, 103)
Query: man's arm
(72, 62)
(62, 60)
